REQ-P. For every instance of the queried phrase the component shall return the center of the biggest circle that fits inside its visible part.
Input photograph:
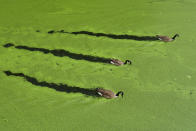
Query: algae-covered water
(159, 86)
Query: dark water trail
(113, 36)
(62, 53)
(58, 87)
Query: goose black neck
(120, 92)
(174, 37)
(127, 61)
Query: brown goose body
(107, 93)
(118, 62)
(166, 38)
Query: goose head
(120, 93)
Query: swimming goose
(118, 62)
(166, 38)
(108, 94)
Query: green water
(159, 86)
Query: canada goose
(118, 62)
(108, 94)
(166, 38)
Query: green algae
(159, 87)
